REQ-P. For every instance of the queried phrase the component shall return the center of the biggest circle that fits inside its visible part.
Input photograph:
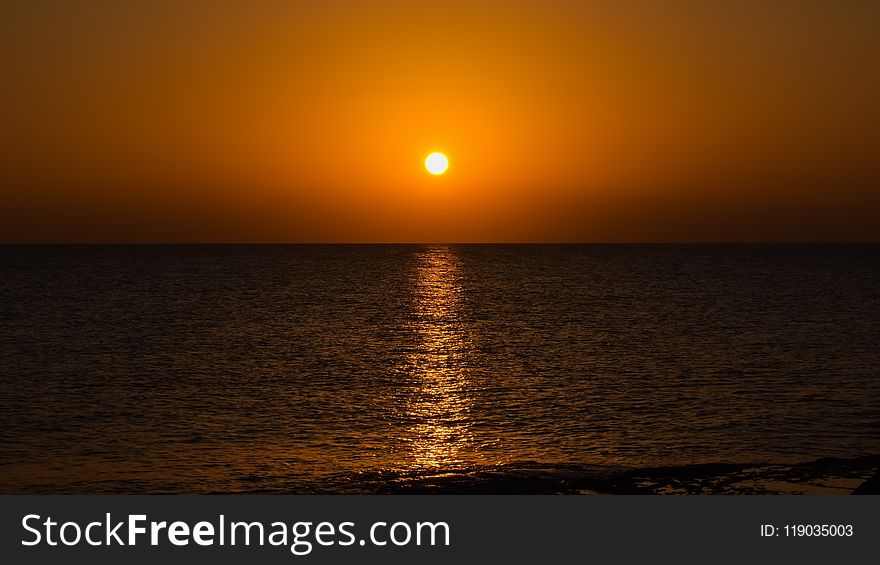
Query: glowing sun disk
(436, 163)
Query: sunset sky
(276, 121)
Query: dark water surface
(358, 368)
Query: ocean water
(360, 368)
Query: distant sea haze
(447, 368)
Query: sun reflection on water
(440, 404)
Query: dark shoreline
(822, 476)
(825, 476)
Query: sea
(439, 368)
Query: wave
(822, 476)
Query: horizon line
(404, 243)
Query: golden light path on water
(440, 404)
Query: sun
(436, 163)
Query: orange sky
(198, 121)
